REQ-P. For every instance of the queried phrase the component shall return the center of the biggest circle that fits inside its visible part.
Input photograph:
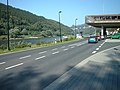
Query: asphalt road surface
(36, 68)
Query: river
(31, 40)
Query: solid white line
(55, 49)
(2, 63)
(94, 52)
(40, 57)
(14, 66)
(55, 52)
(25, 57)
(97, 48)
(42, 52)
(65, 49)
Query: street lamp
(60, 26)
(75, 26)
(8, 25)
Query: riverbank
(18, 46)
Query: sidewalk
(101, 71)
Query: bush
(3, 37)
(44, 43)
(20, 45)
(3, 47)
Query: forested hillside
(23, 23)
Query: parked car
(115, 36)
(92, 39)
(98, 38)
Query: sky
(71, 9)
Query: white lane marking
(40, 57)
(42, 52)
(94, 52)
(54, 49)
(97, 48)
(14, 66)
(25, 57)
(65, 49)
(79, 44)
(101, 44)
(55, 52)
(73, 47)
(2, 63)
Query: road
(36, 68)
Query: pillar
(103, 32)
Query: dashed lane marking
(97, 48)
(55, 52)
(14, 66)
(65, 49)
(94, 52)
(42, 52)
(73, 47)
(25, 57)
(40, 57)
(2, 63)
(54, 49)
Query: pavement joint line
(55, 52)
(14, 66)
(2, 63)
(94, 52)
(65, 49)
(25, 57)
(40, 57)
(42, 52)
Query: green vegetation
(24, 24)
(17, 46)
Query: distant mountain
(25, 23)
(85, 29)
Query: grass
(18, 46)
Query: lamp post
(8, 46)
(60, 26)
(75, 26)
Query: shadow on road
(28, 79)
(92, 76)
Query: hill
(25, 23)
(85, 29)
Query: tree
(24, 32)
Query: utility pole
(8, 45)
